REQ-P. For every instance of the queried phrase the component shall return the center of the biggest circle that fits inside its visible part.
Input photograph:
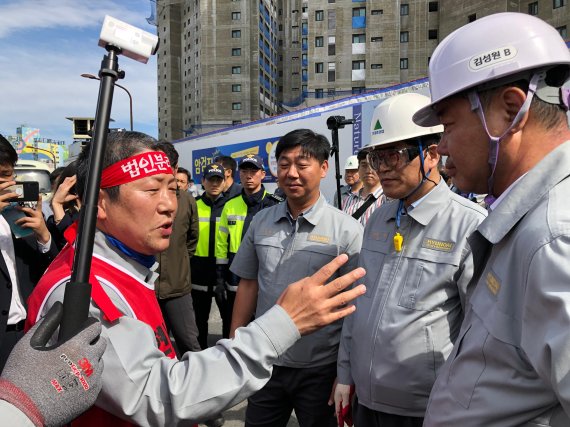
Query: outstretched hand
(313, 303)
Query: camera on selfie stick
(334, 123)
(118, 38)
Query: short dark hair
(8, 155)
(55, 174)
(312, 144)
(227, 162)
(120, 145)
(170, 151)
(361, 155)
(186, 172)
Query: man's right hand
(313, 305)
(5, 194)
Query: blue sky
(47, 44)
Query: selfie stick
(118, 38)
(77, 295)
(334, 123)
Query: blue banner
(264, 148)
(357, 128)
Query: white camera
(133, 42)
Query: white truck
(260, 137)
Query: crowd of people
(406, 304)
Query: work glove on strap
(52, 385)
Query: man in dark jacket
(22, 260)
(174, 282)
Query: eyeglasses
(392, 158)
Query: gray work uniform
(404, 326)
(144, 386)
(511, 362)
(277, 252)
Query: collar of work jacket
(550, 171)
(432, 203)
(312, 215)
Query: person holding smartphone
(23, 259)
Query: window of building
(533, 8)
(332, 1)
(403, 63)
(358, 65)
(330, 92)
(332, 49)
(376, 66)
(432, 34)
(236, 88)
(236, 16)
(433, 6)
(359, 38)
(472, 17)
(377, 39)
(319, 67)
(358, 89)
(236, 34)
(332, 19)
(319, 41)
(404, 36)
(236, 105)
(332, 72)
(236, 70)
(563, 32)
(377, 12)
(236, 122)
(319, 93)
(558, 3)
(358, 11)
(404, 9)
(236, 51)
(319, 15)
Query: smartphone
(11, 215)
(28, 191)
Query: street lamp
(93, 77)
(31, 147)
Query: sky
(47, 44)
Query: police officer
(210, 205)
(419, 264)
(498, 87)
(235, 220)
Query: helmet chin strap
(495, 140)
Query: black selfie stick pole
(334, 123)
(78, 291)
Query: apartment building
(224, 62)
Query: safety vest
(139, 297)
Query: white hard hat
(351, 163)
(489, 49)
(392, 120)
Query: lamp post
(93, 77)
(31, 147)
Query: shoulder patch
(277, 198)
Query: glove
(220, 291)
(342, 404)
(53, 385)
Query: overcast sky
(47, 44)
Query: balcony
(358, 48)
(359, 22)
(358, 75)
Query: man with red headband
(143, 382)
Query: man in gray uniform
(419, 263)
(496, 86)
(143, 382)
(286, 242)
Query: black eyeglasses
(392, 158)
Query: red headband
(134, 168)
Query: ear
(103, 205)
(262, 174)
(324, 168)
(432, 156)
(511, 99)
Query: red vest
(135, 293)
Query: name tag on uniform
(378, 235)
(438, 245)
(493, 283)
(318, 238)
